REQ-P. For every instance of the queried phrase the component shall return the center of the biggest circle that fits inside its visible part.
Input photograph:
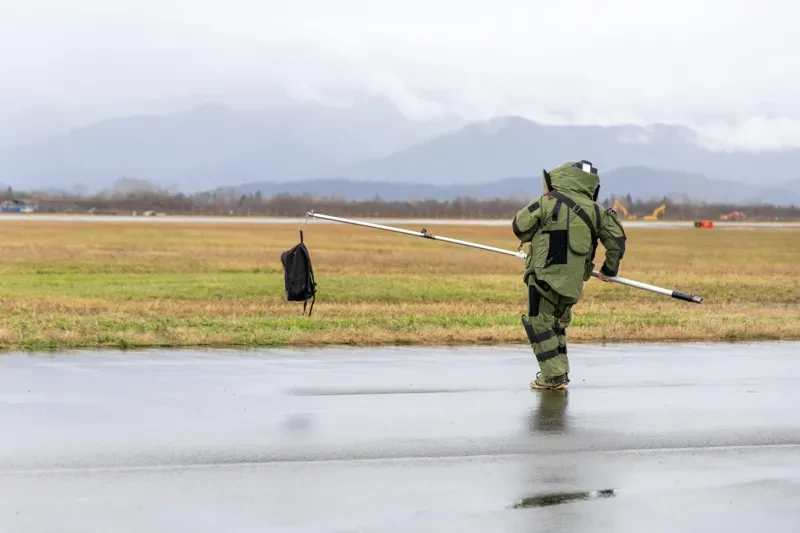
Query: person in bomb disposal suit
(563, 227)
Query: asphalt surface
(656, 224)
(657, 438)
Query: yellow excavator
(619, 208)
(658, 214)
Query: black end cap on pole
(687, 297)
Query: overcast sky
(726, 68)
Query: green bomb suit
(563, 227)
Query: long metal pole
(520, 255)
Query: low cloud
(721, 67)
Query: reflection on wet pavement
(401, 440)
(545, 500)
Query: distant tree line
(229, 203)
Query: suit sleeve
(527, 221)
(612, 235)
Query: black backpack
(298, 276)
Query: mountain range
(370, 148)
(213, 145)
(640, 182)
(513, 146)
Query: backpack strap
(578, 211)
(313, 299)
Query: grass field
(132, 285)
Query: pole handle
(519, 254)
(687, 297)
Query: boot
(555, 383)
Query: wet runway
(648, 438)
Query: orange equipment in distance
(733, 215)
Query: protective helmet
(587, 166)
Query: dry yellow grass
(89, 284)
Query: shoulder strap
(578, 211)
(597, 220)
(302, 247)
(597, 216)
(310, 279)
